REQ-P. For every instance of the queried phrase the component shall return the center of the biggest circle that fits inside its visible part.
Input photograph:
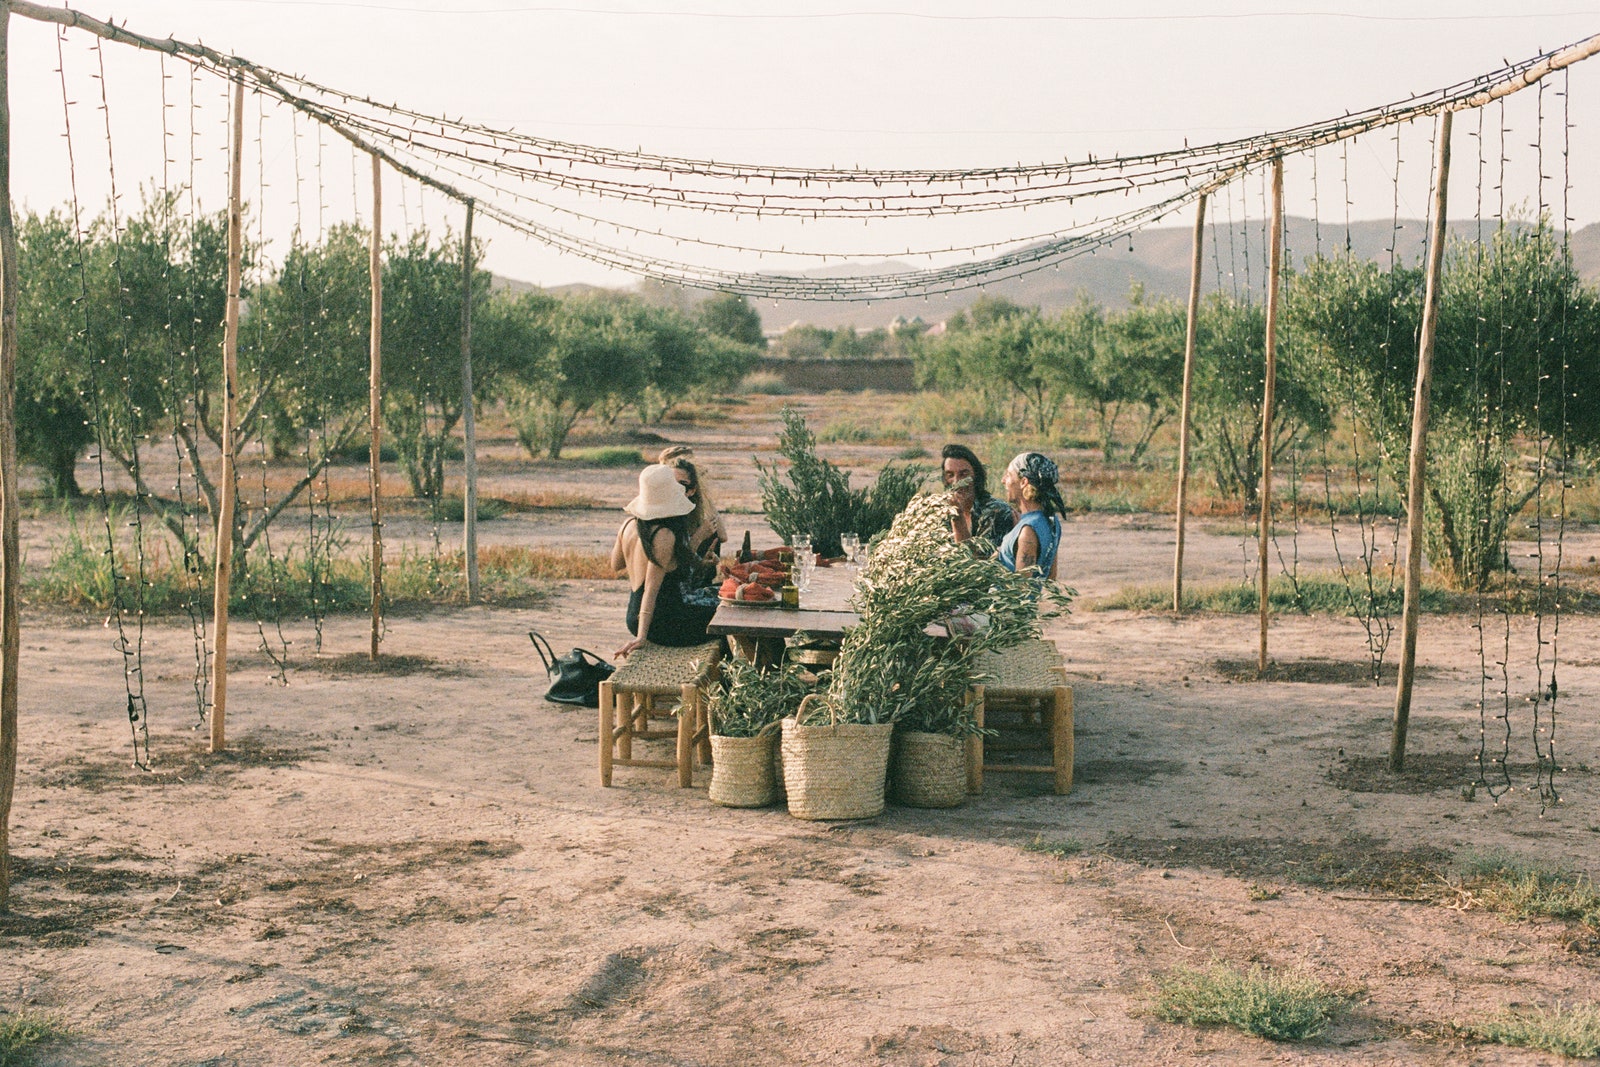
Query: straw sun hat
(660, 495)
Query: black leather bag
(574, 678)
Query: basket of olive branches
(897, 667)
(744, 715)
(928, 767)
(833, 768)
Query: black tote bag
(574, 678)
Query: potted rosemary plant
(744, 714)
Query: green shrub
(1059, 849)
(1259, 1002)
(1566, 1031)
(849, 431)
(765, 383)
(955, 413)
(81, 573)
(454, 509)
(78, 576)
(814, 496)
(360, 451)
(1310, 594)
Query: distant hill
(1158, 259)
(500, 281)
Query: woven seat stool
(1023, 693)
(653, 681)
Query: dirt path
(419, 865)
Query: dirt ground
(418, 865)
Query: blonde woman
(707, 531)
(652, 546)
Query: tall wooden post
(230, 378)
(1189, 339)
(10, 556)
(469, 429)
(1269, 391)
(1419, 451)
(375, 401)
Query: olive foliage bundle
(751, 701)
(890, 669)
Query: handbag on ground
(575, 677)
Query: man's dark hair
(980, 478)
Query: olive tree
(1230, 367)
(1005, 353)
(597, 352)
(422, 315)
(1516, 362)
(53, 418)
(1128, 362)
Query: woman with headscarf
(1030, 482)
(653, 547)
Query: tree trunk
(62, 473)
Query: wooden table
(824, 611)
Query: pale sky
(890, 84)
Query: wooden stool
(632, 696)
(1029, 681)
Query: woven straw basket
(744, 772)
(837, 771)
(928, 770)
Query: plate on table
(775, 602)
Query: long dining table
(824, 611)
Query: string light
(515, 177)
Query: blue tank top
(1047, 530)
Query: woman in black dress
(653, 547)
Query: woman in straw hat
(707, 531)
(653, 547)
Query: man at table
(974, 513)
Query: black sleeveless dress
(675, 623)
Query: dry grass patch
(24, 1031)
(1516, 890)
(1278, 1007)
(1567, 1031)
(546, 564)
(547, 499)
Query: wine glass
(851, 543)
(804, 564)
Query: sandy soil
(418, 865)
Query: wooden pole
(10, 556)
(375, 401)
(1189, 338)
(230, 378)
(1419, 451)
(469, 429)
(1268, 397)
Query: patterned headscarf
(1041, 472)
(1037, 467)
